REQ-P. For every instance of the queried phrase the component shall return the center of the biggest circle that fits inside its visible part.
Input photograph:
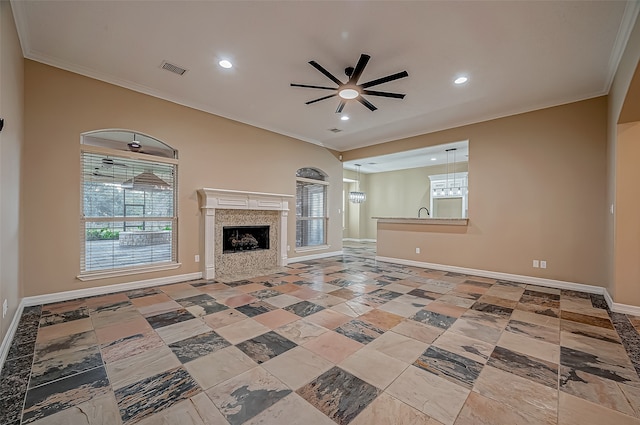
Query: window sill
(126, 272)
(312, 248)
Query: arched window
(311, 208)
(129, 207)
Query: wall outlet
(611, 208)
(5, 308)
(536, 264)
(417, 250)
(288, 248)
(543, 264)
(197, 258)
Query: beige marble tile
(497, 300)
(479, 410)
(105, 300)
(537, 319)
(382, 319)
(276, 318)
(123, 330)
(182, 330)
(159, 308)
(398, 346)
(130, 346)
(282, 301)
(144, 365)
(475, 330)
(506, 292)
(301, 331)
(530, 346)
(241, 331)
(389, 410)
(217, 367)
(604, 392)
(517, 392)
(239, 300)
(151, 300)
(435, 396)
(326, 300)
(117, 315)
(576, 411)
(545, 289)
(459, 301)
(418, 331)
(291, 410)
(297, 366)
(352, 308)
(613, 352)
(101, 410)
(223, 318)
(49, 333)
(374, 367)
(470, 348)
(251, 287)
(446, 309)
(180, 290)
(400, 309)
(198, 410)
(333, 346)
(328, 318)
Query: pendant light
(357, 197)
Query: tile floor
(341, 340)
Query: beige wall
(11, 139)
(627, 240)
(399, 194)
(621, 253)
(214, 152)
(537, 190)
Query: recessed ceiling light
(461, 80)
(433, 159)
(348, 93)
(344, 118)
(225, 64)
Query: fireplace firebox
(244, 238)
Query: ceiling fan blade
(385, 79)
(341, 106)
(366, 103)
(313, 87)
(321, 98)
(327, 74)
(384, 94)
(357, 72)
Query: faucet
(423, 208)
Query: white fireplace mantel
(212, 199)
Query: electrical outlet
(288, 248)
(536, 264)
(543, 264)
(417, 250)
(5, 308)
(197, 258)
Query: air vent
(173, 68)
(335, 130)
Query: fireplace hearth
(244, 238)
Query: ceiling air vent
(173, 68)
(335, 130)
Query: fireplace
(262, 216)
(244, 238)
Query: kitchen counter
(425, 220)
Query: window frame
(87, 275)
(324, 217)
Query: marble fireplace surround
(222, 199)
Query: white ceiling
(519, 56)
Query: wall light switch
(536, 264)
(543, 264)
(288, 248)
(611, 208)
(197, 258)
(417, 250)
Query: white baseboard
(108, 289)
(621, 308)
(11, 332)
(358, 240)
(313, 257)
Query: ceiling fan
(351, 89)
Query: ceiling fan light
(349, 93)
